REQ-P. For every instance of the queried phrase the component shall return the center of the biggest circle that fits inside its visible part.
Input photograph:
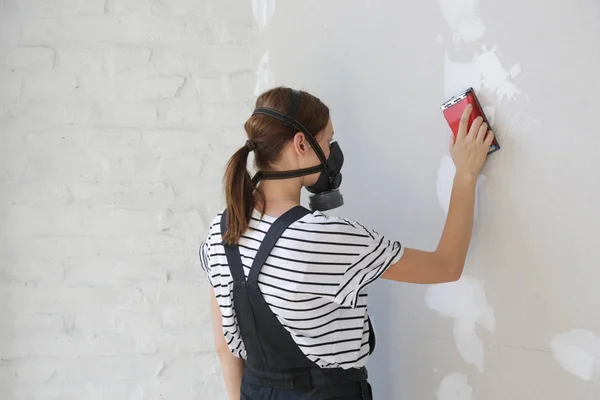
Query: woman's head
(278, 147)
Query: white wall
(116, 118)
(524, 323)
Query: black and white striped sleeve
(204, 261)
(377, 254)
(204, 254)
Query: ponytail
(267, 137)
(239, 195)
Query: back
(314, 281)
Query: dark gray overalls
(276, 368)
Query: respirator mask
(325, 192)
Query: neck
(279, 195)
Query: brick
(221, 32)
(82, 7)
(229, 58)
(169, 61)
(39, 8)
(160, 87)
(231, 11)
(34, 370)
(32, 325)
(212, 89)
(37, 193)
(183, 113)
(11, 87)
(175, 165)
(33, 272)
(240, 85)
(139, 7)
(70, 300)
(125, 58)
(160, 389)
(79, 113)
(141, 196)
(37, 220)
(128, 115)
(33, 114)
(187, 221)
(102, 138)
(49, 84)
(30, 57)
(106, 369)
(180, 8)
(190, 367)
(103, 271)
(80, 60)
(169, 140)
(228, 115)
(91, 29)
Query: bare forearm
(456, 236)
(233, 368)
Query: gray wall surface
(524, 321)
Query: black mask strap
(290, 120)
(294, 105)
(271, 175)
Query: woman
(290, 286)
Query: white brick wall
(116, 118)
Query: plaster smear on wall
(466, 303)
(454, 386)
(263, 12)
(462, 17)
(445, 181)
(578, 352)
(265, 78)
(484, 73)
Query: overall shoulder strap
(232, 252)
(272, 236)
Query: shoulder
(321, 221)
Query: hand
(469, 149)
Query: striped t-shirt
(314, 281)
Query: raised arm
(446, 263)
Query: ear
(300, 143)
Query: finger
(482, 131)
(452, 141)
(475, 127)
(489, 139)
(464, 123)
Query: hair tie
(250, 145)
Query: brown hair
(270, 136)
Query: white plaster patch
(263, 12)
(454, 386)
(466, 303)
(445, 182)
(265, 79)
(578, 352)
(439, 39)
(462, 17)
(484, 73)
